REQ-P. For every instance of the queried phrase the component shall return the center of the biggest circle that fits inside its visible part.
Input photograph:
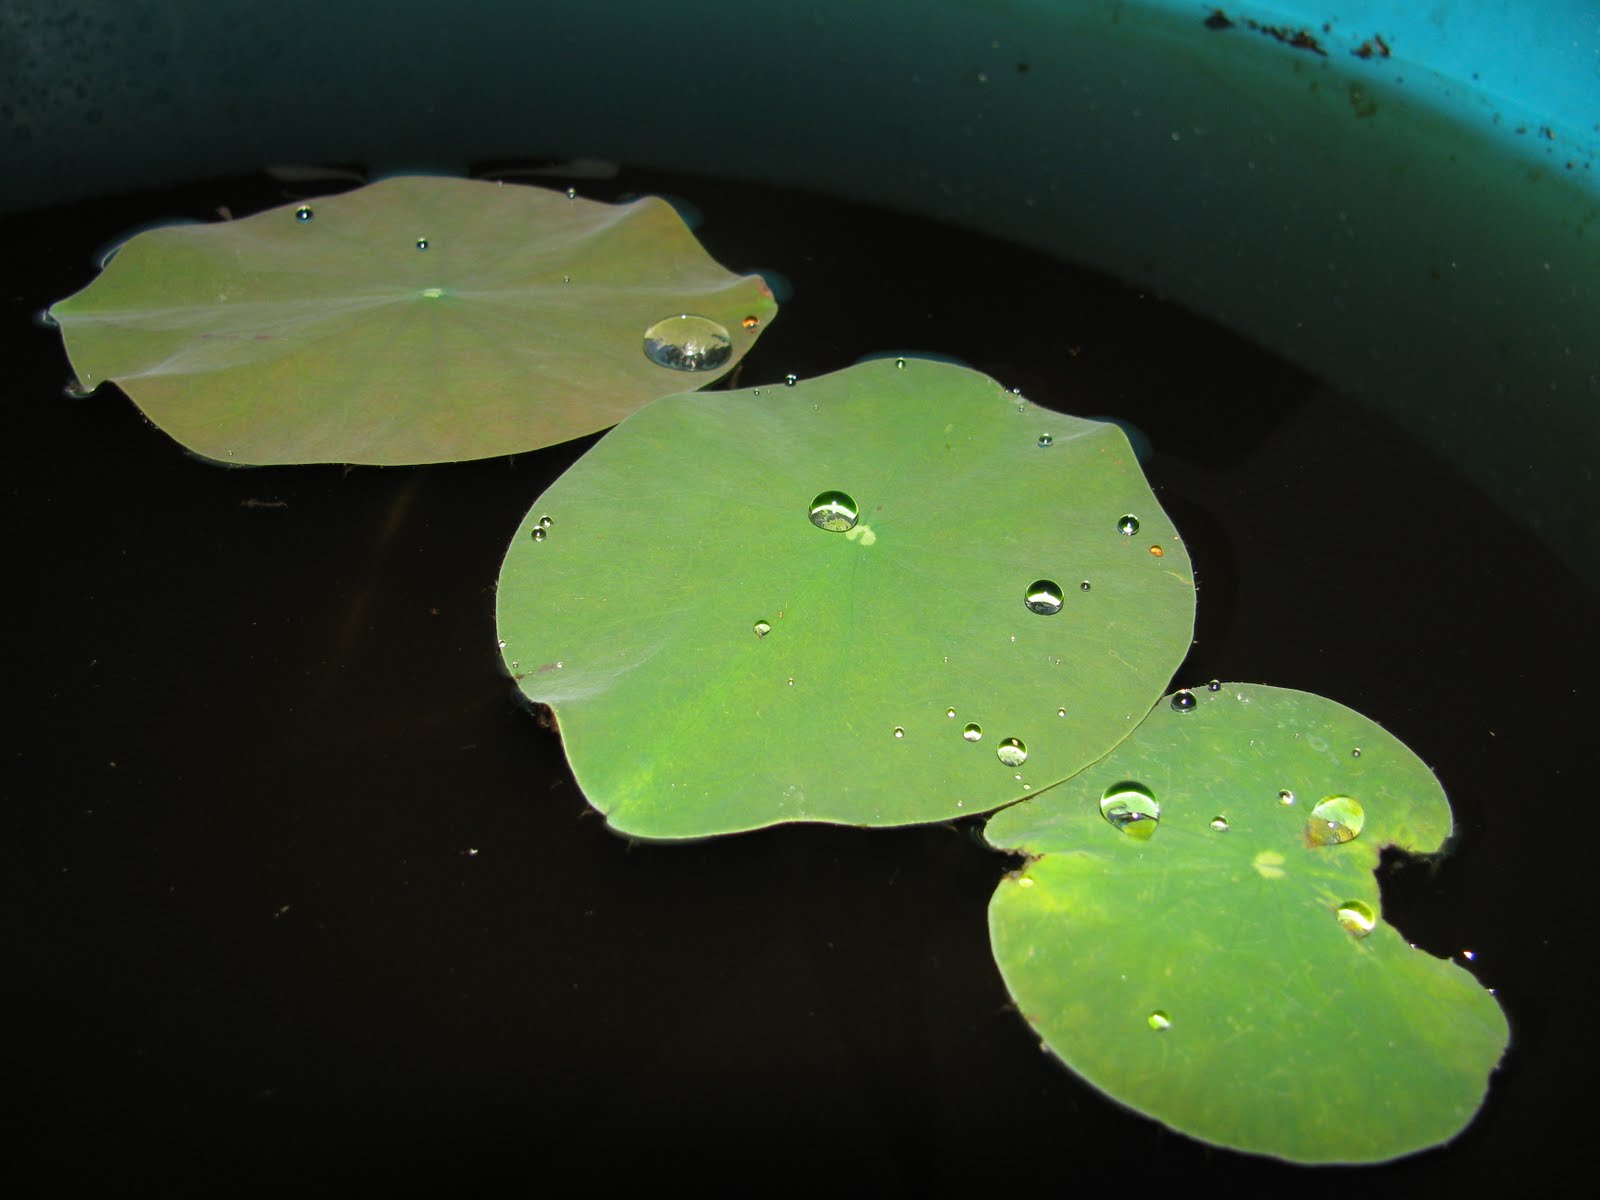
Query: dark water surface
(296, 892)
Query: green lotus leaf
(415, 320)
(1220, 963)
(893, 594)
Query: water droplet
(572, 193)
(566, 279)
(545, 522)
(1183, 700)
(688, 343)
(1061, 712)
(791, 681)
(1046, 440)
(502, 643)
(422, 243)
(899, 732)
(790, 380)
(539, 534)
(1012, 752)
(303, 213)
(432, 293)
(1334, 821)
(1128, 525)
(1214, 686)
(1285, 797)
(1156, 551)
(750, 322)
(762, 629)
(1084, 586)
(1043, 597)
(1356, 753)
(1220, 824)
(1158, 1021)
(73, 389)
(44, 319)
(900, 364)
(949, 712)
(834, 511)
(1131, 808)
(1357, 917)
(972, 732)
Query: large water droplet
(762, 629)
(1158, 1021)
(972, 732)
(1043, 597)
(1335, 820)
(1183, 700)
(1131, 808)
(1357, 917)
(834, 511)
(1012, 752)
(1046, 439)
(688, 343)
(1128, 526)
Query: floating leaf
(1220, 964)
(828, 602)
(415, 320)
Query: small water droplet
(899, 732)
(1046, 440)
(1131, 808)
(1061, 712)
(1158, 1021)
(949, 712)
(762, 629)
(432, 293)
(972, 732)
(502, 643)
(1357, 917)
(1356, 753)
(1012, 752)
(1128, 526)
(1084, 586)
(422, 243)
(545, 522)
(1220, 824)
(566, 279)
(750, 322)
(1214, 686)
(1285, 796)
(1043, 597)
(74, 389)
(572, 193)
(539, 534)
(303, 213)
(1156, 551)
(791, 681)
(1334, 821)
(834, 511)
(688, 343)
(1183, 700)
(790, 380)
(900, 364)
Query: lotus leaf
(1198, 932)
(415, 320)
(892, 594)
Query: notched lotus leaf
(893, 594)
(1201, 937)
(414, 320)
